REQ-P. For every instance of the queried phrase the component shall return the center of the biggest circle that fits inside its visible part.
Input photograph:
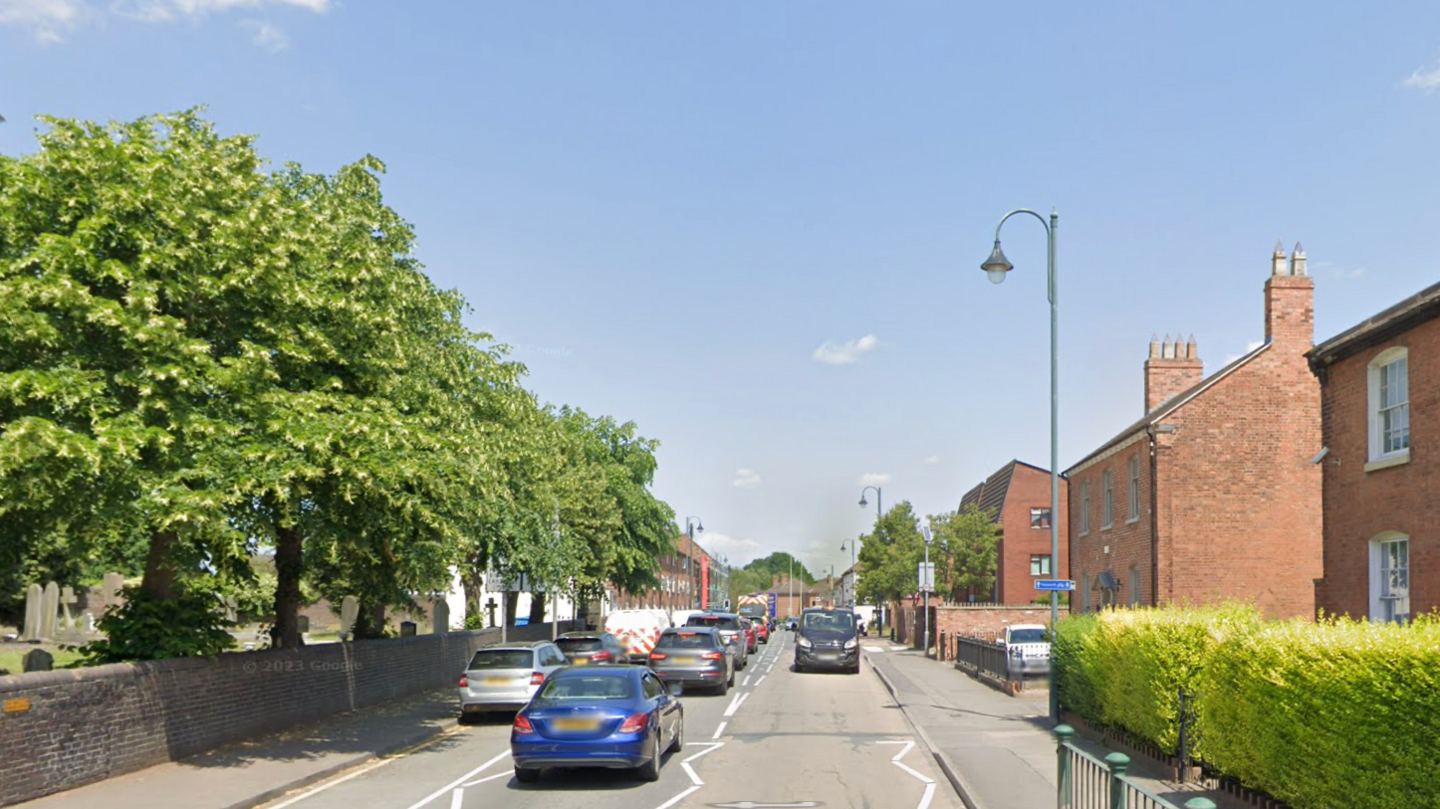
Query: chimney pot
(1297, 260)
(1154, 345)
(1277, 260)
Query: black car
(591, 648)
(827, 638)
(695, 656)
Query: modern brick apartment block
(1019, 496)
(1212, 494)
(1382, 532)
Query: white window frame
(1388, 358)
(1084, 507)
(1107, 500)
(1034, 512)
(1134, 586)
(1133, 504)
(1042, 561)
(1386, 605)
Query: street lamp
(926, 582)
(864, 503)
(853, 543)
(996, 268)
(692, 524)
(831, 579)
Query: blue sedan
(611, 716)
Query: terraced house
(1378, 386)
(1213, 493)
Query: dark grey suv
(695, 656)
(827, 638)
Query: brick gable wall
(1029, 488)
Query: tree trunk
(473, 583)
(159, 581)
(537, 609)
(512, 602)
(289, 564)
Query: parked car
(694, 656)
(679, 617)
(591, 648)
(762, 631)
(827, 638)
(504, 677)
(606, 716)
(752, 643)
(1027, 649)
(728, 623)
(637, 631)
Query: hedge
(1334, 715)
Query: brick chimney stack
(1171, 368)
(1290, 300)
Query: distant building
(1018, 495)
(682, 574)
(1382, 534)
(1212, 493)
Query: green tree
(779, 564)
(967, 558)
(890, 556)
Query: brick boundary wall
(989, 621)
(89, 724)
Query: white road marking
(341, 780)
(898, 648)
(745, 681)
(734, 706)
(479, 781)
(762, 678)
(929, 793)
(719, 730)
(458, 781)
(710, 747)
(874, 649)
(457, 798)
(691, 772)
(676, 799)
(923, 778)
(908, 747)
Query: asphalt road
(778, 739)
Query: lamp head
(862, 501)
(997, 265)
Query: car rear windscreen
(716, 621)
(502, 659)
(687, 640)
(829, 621)
(588, 688)
(1027, 636)
(578, 644)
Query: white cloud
(268, 36)
(166, 10)
(47, 19)
(832, 354)
(933, 460)
(746, 479)
(737, 552)
(1425, 80)
(874, 479)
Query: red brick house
(1212, 494)
(1382, 536)
(1018, 494)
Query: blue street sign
(1054, 584)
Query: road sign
(1054, 584)
(927, 577)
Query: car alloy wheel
(650, 770)
(679, 740)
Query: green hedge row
(1334, 715)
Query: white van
(637, 631)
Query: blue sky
(755, 228)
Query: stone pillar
(67, 599)
(49, 610)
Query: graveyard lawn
(12, 656)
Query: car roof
(690, 630)
(604, 671)
(514, 646)
(715, 614)
(565, 635)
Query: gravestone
(38, 660)
(407, 629)
(302, 624)
(49, 610)
(33, 601)
(111, 588)
(232, 609)
(490, 608)
(440, 618)
(67, 600)
(349, 611)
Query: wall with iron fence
(1087, 782)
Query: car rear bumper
(828, 658)
(603, 753)
(706, 676)
(471, 702)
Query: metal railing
(987, 660)
(1086, 782)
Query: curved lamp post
(996, 267)
(854, 545)
(864, 502)
(692, 524)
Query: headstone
(33, 607)
(490, 608)
(49, 610)
(38, 660)
(111, 588)
(440, 617)
(67, 600)
(302, 624)
(232, 609)
(349, 611)
(407, 629)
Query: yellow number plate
(497, 680)
(576, 724)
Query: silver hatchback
(504, 677)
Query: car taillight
(635, 723)
(657, 656)
(538, 678)
(464, 681)
(713, 655)
(522, 725)
(600, 656)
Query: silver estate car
(504, 677)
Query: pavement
(998, 751)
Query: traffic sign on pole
(927, 577)
(1054, 584)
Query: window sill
(1132, 519)
(1107, 527)
(1386, 463)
